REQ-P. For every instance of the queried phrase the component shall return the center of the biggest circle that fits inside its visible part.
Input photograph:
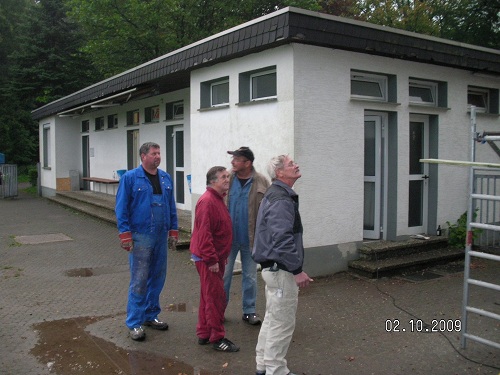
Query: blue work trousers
(148, 271)
(249, 277)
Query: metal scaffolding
(471, 225)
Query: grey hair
(212, 173)
(276, 163)
(147, 146)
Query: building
(356, 105)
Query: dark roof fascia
(288, 25)
(244, 39)
(362, 37)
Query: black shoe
(260, 373)
(252, 319)
(137, 334)
(203, 341)
(156, 324)
(224, 345)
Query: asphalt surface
(63, 291)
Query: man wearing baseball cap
(246, 190)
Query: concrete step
(96, 210)
(378, 250)
(102, 206)
(403, 263)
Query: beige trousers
(279, 322)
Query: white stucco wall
(265, 127)
(329, 139)
(108, 147)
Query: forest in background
(52, 48)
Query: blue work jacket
(134, 200)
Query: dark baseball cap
(243, 151)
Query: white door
(179, 175)
(373, 177)
(418, 174)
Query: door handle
(425, 177)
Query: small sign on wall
(91, 152)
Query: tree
(123, 34)
(471, 21)
(45, 65)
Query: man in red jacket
(210, 247)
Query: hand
(302, 279)
(173, 238)
(214, 267)
(126, 241)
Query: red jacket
(212, 232)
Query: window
(133, 117)
(214, 93)
(46, 146)
(174, 110)
(263, 85)
(422, 92)
(85, 126)
(112, 121)
(152, 114)
(478, 97)
(369, 86)
(99, 123)
(258, 84)
(219, 93)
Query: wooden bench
(99, 180)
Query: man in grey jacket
(279, 249)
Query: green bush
(33, 176)
(457, 233)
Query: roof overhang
(289, 25)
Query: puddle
(65, 348)
(80, 272)
(86, 272)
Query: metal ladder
(469, 253)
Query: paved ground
(63, 289)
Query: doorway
(133, 160)
(375, 149)
(418, 174)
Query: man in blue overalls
(146, 217)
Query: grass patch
(13, 242)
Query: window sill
(47, 168)
(485, 114)
(114, 127)
(130, 125)
(150, 123)
(206, 109)
(98, 130)
(427, 106)
(257, 101)
(361, 100)
(173, 119)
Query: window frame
(99, 123)
(433, 88)
(171, 110)
(46, 146)
(133, 117)
(85, 126)
(112, 121)
(260, 74)
(219, 83)
(152, 114)
(484, 93)
(380, 79)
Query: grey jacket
(278, 233)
